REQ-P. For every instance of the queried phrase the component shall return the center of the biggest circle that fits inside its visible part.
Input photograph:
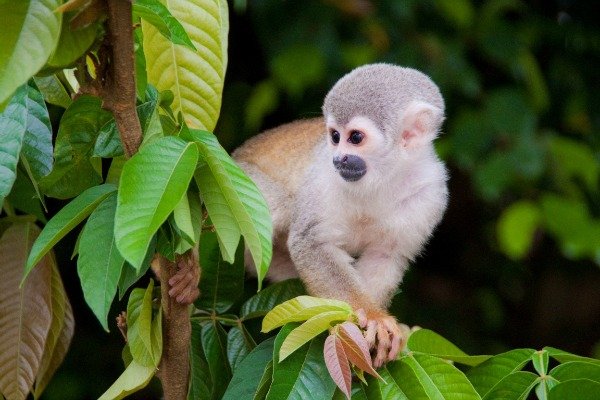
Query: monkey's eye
(335, 137)
(356, 137)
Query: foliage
(520, 133)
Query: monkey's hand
(383, 333)
(184, 284)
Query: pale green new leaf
(302, 308)
(99, 264)
(139, 326)
(308, 330)
(30, 33)
(194, 76)
(65, 220)
(134, 378)
(420, 376)
(234, 203)
(564, 356)
(152, 183)
(429, 342)
(13, 123)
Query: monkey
(355, 194)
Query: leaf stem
(8, 209)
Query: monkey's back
(281, 151)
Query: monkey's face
(353, 146)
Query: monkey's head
(379, 116)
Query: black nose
(350, 167)
(349, 162)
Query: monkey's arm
(327, 271)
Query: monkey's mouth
(352, 175)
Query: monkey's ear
(420, 124)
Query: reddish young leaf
(337, 364)
(356, 347)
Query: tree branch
(118, 84)
(174, 367)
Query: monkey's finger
(397, 338)
(371, 333)
(185, 282)
(362, 317)
(188, 296)
(179, 275)
(380, 355)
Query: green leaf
(154, 12)
(65, 220)
(108, 144)
(234, 203)
(301, 308)
(429, 342)
(183, 220)
(222, 283)
(30, 33)
(486, 375)
(265, 383)
(564, 356)
(130, 275)
(516, 228)
(141, 78)
(576, 370)
(540, 362)
(262, 302)
(13, 123)
(515, 386)
(303, 375)
(24, 197)
(214, 343)
(194, 76)
(53, 90)
(99, 264)
(156, 177)
(134, 378)
(140, 330)
(239, 345)
(311, 328)
(248, 376)
(383, 389)
(72, 44)
(74, 169)
(573, 159)
(37, 143)
(427, 377)
(200, 381)
(577, 389)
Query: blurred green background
(516, 260)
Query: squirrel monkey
(355, 195)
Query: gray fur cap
(379, 92)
